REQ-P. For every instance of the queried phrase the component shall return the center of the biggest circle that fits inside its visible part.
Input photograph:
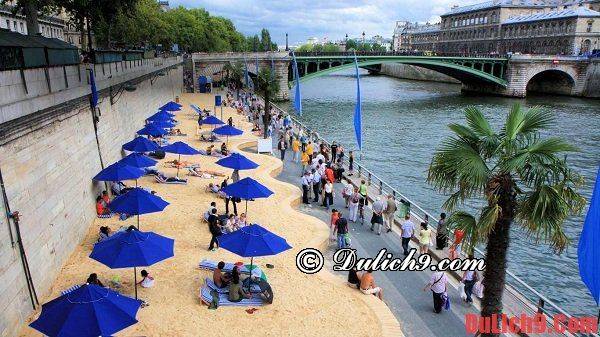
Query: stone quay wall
(49, 154)
(410, 72)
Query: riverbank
(305, 305)
(409, 72)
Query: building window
(7, 24)
(15, 26)
(21, 27)
(589, 26)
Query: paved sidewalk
(402, 290)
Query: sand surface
(305, 305)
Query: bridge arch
(465, 72)
(551, 81)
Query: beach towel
(254, 288)
(243, 269)
(68, 290)
(207, 296)
(106, 216)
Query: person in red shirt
(329, 174)
(456, 247)
(335, 215)
(105, 198)
(100, 209)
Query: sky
(331, 19)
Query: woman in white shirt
(147, 280)
(437, 284)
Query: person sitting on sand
(105, 198)
(100, 208)
(368, 286)
(93, 279)
(354, 278)
(176, 132)
(147, 280)
(209, 150)
(236, 292)
(213, 205)
(256, 127)
(220, 278)
(119, 188)
(230, 224)
(242, 221)
(104, 234)
(214, 188)
(224, 150)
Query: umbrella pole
(246, 208)
(250, 282)
(179, 164)
(135, 281)
(138, 221)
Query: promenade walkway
(402, 290)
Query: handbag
(446, 300)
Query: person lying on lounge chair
(220, 278)
(211, 138)
(170, 179)
(152, 170)
(176, 132)
(224, 150)
(180, 164)
(119, 188)
(197, 172)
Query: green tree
(305, 48)
(330, 47)
(267, 85)
(351, 45)
(233, 74)
(522, 177)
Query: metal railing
(524, 298)
(401, 53)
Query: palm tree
(235, 72)
(523, 178)
(267, 85)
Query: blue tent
(88, 311)
(141, 144)
(150, 130)
(171, 106)
(588, 250)
(138, 160)
(118, 172)
(237, 162)
(133, 248)
(137, 201)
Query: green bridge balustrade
(467, 69)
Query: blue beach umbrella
(180, 148)
(171, 106)
(118, 172)
(253, 241)
(162, 124)
(133, 248)
(161, 116)
(137, 201)
(237, 161)
(227, 130)
(247, 189)
(150, 130)
(141, 144)
(87, 311)
(138, 160)
(212, 120)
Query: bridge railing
(520, 297)
(401, 53)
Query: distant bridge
(493, 74)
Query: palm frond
(535, 119)
(468, 224)
(513, 123)
(478, 123)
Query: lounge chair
(224, 301)
(68, 290)
(211, 284)
(160, 180)
(212, 265)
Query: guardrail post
(540, 306)
(359, 170)
(369, 179)
(380, 187)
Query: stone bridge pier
(561, 75)
(212, 65)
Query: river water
(403, 123)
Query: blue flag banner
(358, 108)
(93, 89)
(297, 96)
(588, 251)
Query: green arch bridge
(473, 70)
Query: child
(335, 215)
(147, 280)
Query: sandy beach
(305, 305)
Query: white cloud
(332, 19)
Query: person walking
(350, 163)
(470, 277)
(296, 149)
(310, 150)
(353, 205)
(304, 161)
(214, 229)
(229, 198)
(341, 231)
(303, 141)
(362, 189)
(282, 146)
(390, 212)
(334, 152)
(424, 238)
(328, 194)
(437, 284)
(305, 188)
(407, 231)
(441, 237)
(377, 217)
(316, 184)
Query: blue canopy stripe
(150, 130)
(588, 250)
(138, 160)
(171, 106)
(141, 144)
(180, 148)
(118, 172)
(247, 188)
(212, 120)
(253, 241)
(137, 201)
(237, 161)
(227, 130)
(133, 248)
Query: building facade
(564, 27)
(51, 26)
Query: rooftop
(567, 13)
(423, 29)
(502, 3)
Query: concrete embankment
(48, 154)
(410, 72)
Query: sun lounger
(160, 180)
(212, 265)
(209, 283)
(224, 301)
(68, 290)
